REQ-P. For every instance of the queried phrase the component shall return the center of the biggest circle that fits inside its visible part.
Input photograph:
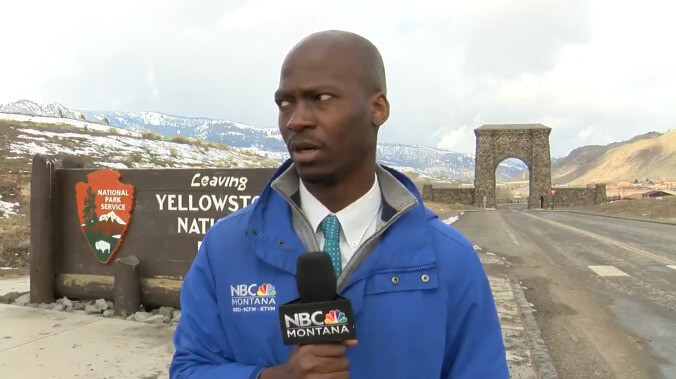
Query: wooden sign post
(42, 228)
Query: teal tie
(330, 226)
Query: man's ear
(381, 109)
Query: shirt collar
(354, 218)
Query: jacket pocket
(394, 281)
(403, 313)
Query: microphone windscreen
(315, 278)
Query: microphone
(319, 314)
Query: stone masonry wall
(565, 197)
(601, 195)
(570, 197)
(448, 195)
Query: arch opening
(512, 183)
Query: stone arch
(527, 142)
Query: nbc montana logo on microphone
(253, 297)
(305, 324)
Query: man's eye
(324, 96)
(284, 103)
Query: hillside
(266, 141)
(651, 155)
(101, 146)
(106, 146)
(596, 163)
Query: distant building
(657, 193)
(629, 193)
(633, 196)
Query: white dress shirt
(358, 220)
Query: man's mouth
(304, 146)
(304, 152)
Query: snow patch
(7, 208)
(114, 150)
(115, 165)
(451, 219)
(33, 138)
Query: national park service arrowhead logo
(104, 207)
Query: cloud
(593, 136)
(585, 133)
(457, 139)
(507, 40)
(451, 65)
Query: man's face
(324, 114)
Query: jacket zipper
(300, 213)
(357, 254)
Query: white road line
(608, 271)
(672, 266)
(511, 236)
(606, 240)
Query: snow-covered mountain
(268, 142)
(102, 146)
(264, 141)
(112, 217)
(31, 108)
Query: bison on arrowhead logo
(104, 207)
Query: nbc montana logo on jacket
(305, 324)
(253, 297)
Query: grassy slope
(15, 230)
(649, 156)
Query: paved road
(39, 343)
(604, 289)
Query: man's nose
(301, 118)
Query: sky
(594, 71)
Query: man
(422, 303)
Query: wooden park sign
(87, 224)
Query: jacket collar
(405, 243)
(353, 218)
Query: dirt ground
(653, 208)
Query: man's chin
(316, 175)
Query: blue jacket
(438, 321)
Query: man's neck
(338, 196)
